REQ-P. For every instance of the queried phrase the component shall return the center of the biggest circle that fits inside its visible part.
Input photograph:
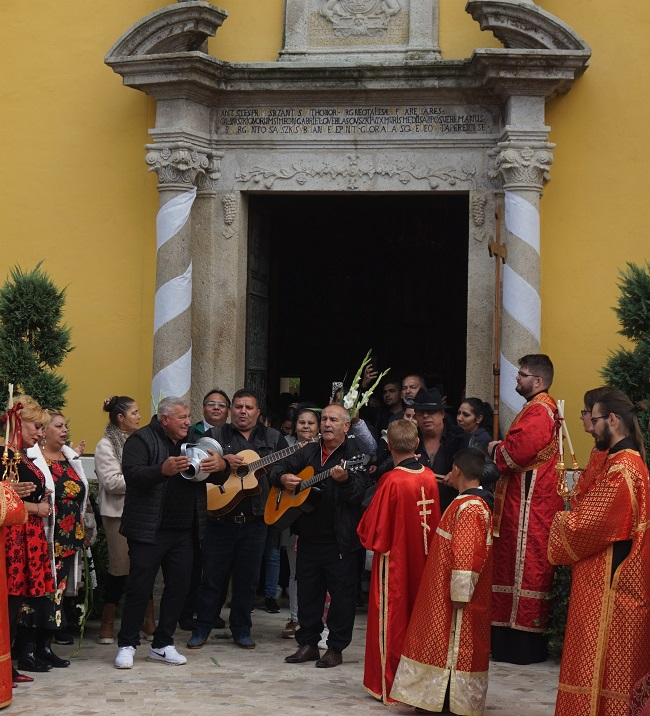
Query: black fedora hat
(428, 400)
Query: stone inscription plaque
(403, 120)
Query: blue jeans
(272, 563)
(230, 549)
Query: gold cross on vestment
(424, 512)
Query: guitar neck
(315, 479)
(274, 457)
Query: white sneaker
(167, 655)
(124, 658)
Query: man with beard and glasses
(525, 503)
(604, 539)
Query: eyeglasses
(584, 413)
(216, 404)
(527, 375)
(595, 419)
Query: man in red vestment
(446, 653)
(525, 502)
(605, 539)
(398, 526)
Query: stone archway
(374, 110)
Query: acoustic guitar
(283, 507)
(244, 480)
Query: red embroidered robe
(398, 526)
(607, 638)
(12, 512)
(523, 576)
(445, 646)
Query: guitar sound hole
(241, 471)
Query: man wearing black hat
(439, 442)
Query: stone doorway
(336, 275)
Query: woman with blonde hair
(41, 621)
(29, 556)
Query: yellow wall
(76, 191)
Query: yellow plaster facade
(76, 192)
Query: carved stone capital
(521, 166)
(184, 165)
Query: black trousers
(321, 569)
(172, 552)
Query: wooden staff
(498, 251)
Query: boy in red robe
(398, 526)
(446, 653)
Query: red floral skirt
(29, 570)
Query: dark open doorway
(344, 274)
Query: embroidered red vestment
(523, 575)
(607, 639)
(398, 526)
(445, 646)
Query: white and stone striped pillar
(523, 168)
(177, 166)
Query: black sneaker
(271, 605)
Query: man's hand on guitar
(233, 460)
(339, 474)
(173, 465)
(214, 463)
(290, 481)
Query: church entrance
(334, 275)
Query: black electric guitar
(284, 507)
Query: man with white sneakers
(164, 514)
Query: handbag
(12, 508)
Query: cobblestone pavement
(224, 679)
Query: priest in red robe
(525, 502)
(398, 526)
(605, 539)
(446, 653)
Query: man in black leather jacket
(328, 544)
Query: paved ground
(222, 678)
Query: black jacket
(348, 495)
(263, 441)
(144, 453)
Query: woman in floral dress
(28, 555)
(70, 498)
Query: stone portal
(359, 103)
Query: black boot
(43, 651)
(24, 651)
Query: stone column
(177, 164)
(522, 162)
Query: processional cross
(423, 513)
(498, 251)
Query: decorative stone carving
(477, 210)
(524, 167)
(357, 170)
(175, 28)
(521, 24)
(184, 164)
(359, 17)
(229, 203)
(206, 181)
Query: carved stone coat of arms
(359, 17)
